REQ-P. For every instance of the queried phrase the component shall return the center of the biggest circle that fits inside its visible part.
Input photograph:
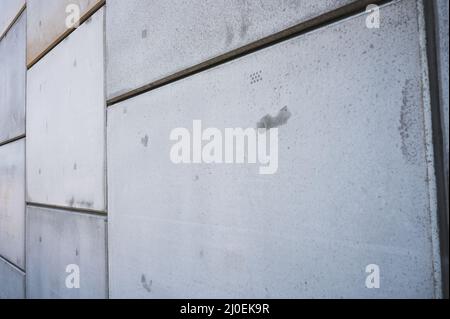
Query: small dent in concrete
(280, 119)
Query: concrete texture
(12, 81)
(47, 23)
(12, 281)
(352, 188)
(66, 122)
(58, 238)
(442, 46)
(12, 202)
(443, 36)
(164, 37)
(9, 9)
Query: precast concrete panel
(9, 10)
(12, 281)
(62, 245)
(66, 122)
(12, 202)
(164, 37)
(49, 21)
(12, 81)
(352, 188)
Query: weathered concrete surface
(164, 37)
(12, 202)
(351, 190)
(12, 81)
(47, 22)
(66, 122)
(9, 9)
(443, 36)
(12, 281)
(442, 46)
(56, 239)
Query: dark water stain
(146, 285)
(229, 36)
(269, 121)
(84, 203)
(71, 201)
(407, 121)
(144, 140)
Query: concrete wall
(86, 178)
(12, 81)
(190, 32)
(341, 199)
(47, 23)
(12, 281)
(56, 239)
(12, 202)
(66, 122)
(12, 149)
(10, 9)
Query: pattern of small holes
(256, 77)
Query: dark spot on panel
(144, 140)
(71, 201)
(146, 285)
(408, 119)
(144, 34)
(87, 204)
(269, 121)
(229, 36)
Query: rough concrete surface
(164, 37)
(12, 281)
(12, 202)
(66, 122)
(47, 22)
(13, 81)
(352, 186)
(56, 239)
